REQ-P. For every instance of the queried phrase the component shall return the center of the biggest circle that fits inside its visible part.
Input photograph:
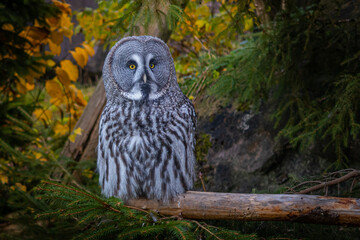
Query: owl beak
(144, 78)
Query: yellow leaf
(55, 49)
(66, 25)
(62, 76)
(19, 186)
(88, 49)
(79, 99)
(197, 46)
(61, 129)
(68, 32)
(37, 142)
(38, 155)
(4, 179)
(203, 11)
(252, 7)
(248, 23)
(87, 173)
(70, 69)
(7, 56)
(30, 86)
(56, 37)
(191, 97)
(7, 27)
(53, 88)
(41, 114)
(200, 23)
(53, 22)
(34, 34)
(50, 63)
(72, 138)
(78, 131)
(80, 56)
(64, 7)
(20, 84)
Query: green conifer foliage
(305, 66)
(96, 217)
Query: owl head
(139, 68)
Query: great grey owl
(147, 128)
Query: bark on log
(258, 207)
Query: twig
(135, 208)
(207, 49)
(201, 83)
(199, 224)
(181, 233)
(196, 84)
(352, 184)
(352, 174)
(342, 171)
(202, 181)
(299, 185)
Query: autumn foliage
(38, 93)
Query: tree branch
(352, 174)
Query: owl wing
(190, 116)
(182, 132)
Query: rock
(245, 157)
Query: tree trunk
(259, 207)
(261, 11)
(85, 144)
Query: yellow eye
(132, 66)
(152, 65)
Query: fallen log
(258, 207)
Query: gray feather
(147, 130)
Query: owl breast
(144, 151)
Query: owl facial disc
(141, 70)
(143, 85)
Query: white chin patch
(136, 94)
(153, 96)
(133, 95)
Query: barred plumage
(146, 144)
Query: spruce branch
(98, 217)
